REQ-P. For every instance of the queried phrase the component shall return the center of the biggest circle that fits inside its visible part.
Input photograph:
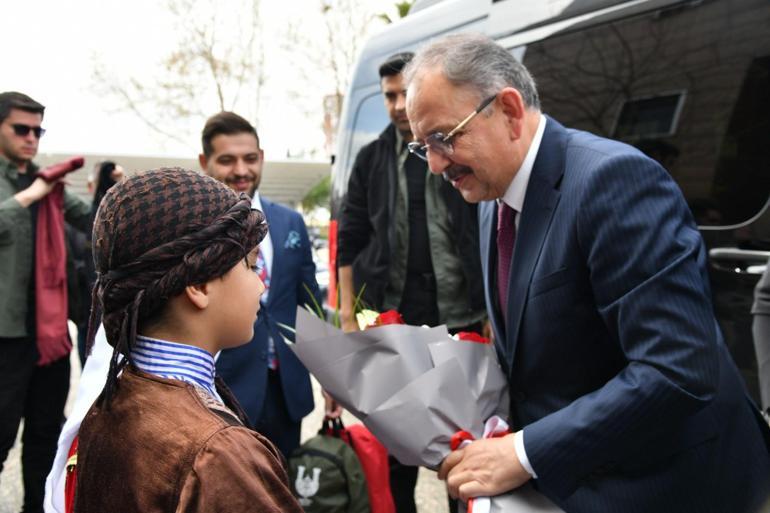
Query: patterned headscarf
(156, 233)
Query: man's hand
(484, 468)
(332, 409)
(35, 192)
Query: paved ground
(430, 494)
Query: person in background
(107, 174)
(407, 241)
(623, 394)
(36, 393)
(761, 331)
(269, 381)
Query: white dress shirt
(514, 198)
(266, 246)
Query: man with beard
(407, 241)
(268, 380)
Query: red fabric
(331, 296)
(71, 481)
(458, 438)
(57, 171)
(374, 461)
(389, 317)
(53, 341)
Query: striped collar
(172, 360)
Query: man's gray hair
(475, 62)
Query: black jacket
(366, 231)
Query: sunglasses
(24, 130)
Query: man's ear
(513, 108)
(198, 295)
(203, 162)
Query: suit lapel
(277, 229)
(539, 205)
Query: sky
(51, 47)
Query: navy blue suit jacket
(244, 368)
(618, 374)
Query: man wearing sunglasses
(407, 241)
(35, 393)
(623, 394)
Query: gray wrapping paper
(413, 388)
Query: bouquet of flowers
(415, 388)
(412, 387)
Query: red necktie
(506, 234)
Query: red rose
(389, 317)
(471, 336)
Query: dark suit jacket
(244, 368)
(618, 373)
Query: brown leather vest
(138, 453)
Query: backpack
(326, 476)
(374, 460)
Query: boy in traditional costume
(174, 252)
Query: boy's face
(235, 302)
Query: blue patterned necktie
(264, 275)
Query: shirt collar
(514, 195)
(256, 202)
(173, 360)
(11, 170)
(399, 142)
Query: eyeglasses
(24, 130)
(442, 144)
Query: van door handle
(739, 261)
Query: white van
(687, 82)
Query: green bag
(326, 476)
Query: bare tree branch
(207, 70)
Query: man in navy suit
(269, 381)
(623, 395)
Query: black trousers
(274, 422)
(36, 394)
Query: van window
(648, 117)
(371, 119)
(687, 86)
